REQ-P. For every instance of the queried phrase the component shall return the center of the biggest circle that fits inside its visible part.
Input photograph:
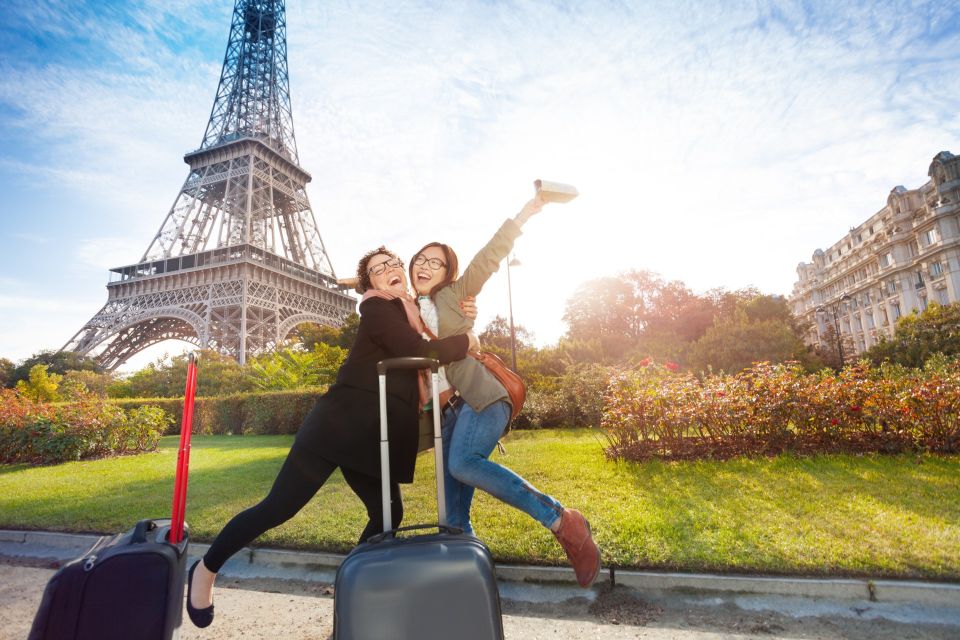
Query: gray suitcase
(437, 585)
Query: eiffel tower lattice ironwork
(238, 262)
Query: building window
(936, 269)
(930, 236)
(870, 323)
(942, 297)
(895, 308)
(886, 260)
(886, 318)
(918, 281)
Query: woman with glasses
(343, 428)
(478, 408)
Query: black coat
(344, 426)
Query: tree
(677, 311)
(42, 385)
(348, 332)
(6, 372)
(166, 377)
(725, 303)
(828, 351)
(637, 312)
(309, 334)
(89, 381)
(612, 309)
(660, 344)
(293, 369)
(58, 362)
(918, 336)
(734, 344)
(496, 336)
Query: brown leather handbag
(510, 379)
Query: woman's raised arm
(487, 261)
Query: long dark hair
(453, 266)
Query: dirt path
(303, 611)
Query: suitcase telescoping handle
(410, 363)
(183, 456)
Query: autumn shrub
(37, 433)
(543, 408)
(582, 388)
(768, 409)
(173, 407)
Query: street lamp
(836, 323)
(513, 335)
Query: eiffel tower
(238, 262)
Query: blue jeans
(468, 440)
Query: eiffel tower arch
(238, 261)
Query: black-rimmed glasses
(435, 263)
(378, 269)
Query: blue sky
(715, 143)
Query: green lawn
(871, 515)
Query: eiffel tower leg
(242, 356)
(113, 343)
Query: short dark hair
(363, 275)
(453, 266)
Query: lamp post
(513, 335)
(833, 308)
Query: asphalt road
(270, 608)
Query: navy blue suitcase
(438, 585)
(127, 586)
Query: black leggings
(302, 475)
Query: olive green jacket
(477, 385)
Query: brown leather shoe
(575, 538)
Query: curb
(320, 567)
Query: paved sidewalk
(266, 593)
(298, 611)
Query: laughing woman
(477, 414)
(343, 428)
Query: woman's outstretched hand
(469, 307)
(530, 209)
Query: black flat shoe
(199, 617)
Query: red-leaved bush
(768, 409)
(91, 427)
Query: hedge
(281, 412)
(261, 413)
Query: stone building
(901, 258)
